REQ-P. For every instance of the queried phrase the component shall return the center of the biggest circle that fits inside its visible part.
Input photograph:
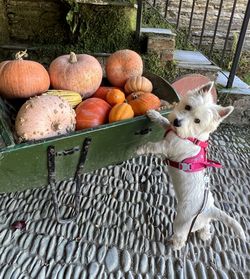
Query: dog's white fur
(189, 187)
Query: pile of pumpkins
(69, 96)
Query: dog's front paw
(153, 115)
(177, 242)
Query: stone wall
(34, 20)
(4, 29)
(213, 9)
(97, 25)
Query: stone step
(194, 62)
(238, 87)
(157, 31)
(237, 96)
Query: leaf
(18, 225)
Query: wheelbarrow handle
(51, 154)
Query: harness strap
(195, 163)
(202, 144)
(191, 167)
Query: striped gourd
(74, 98)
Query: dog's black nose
(177, 122)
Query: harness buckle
(185, 167)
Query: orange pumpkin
(91, 112)
(123, 64)
(22, 78)
(102, 91)
(121, 112)
(138, 83)
(81, 73)
(115, 96)
(143, 101)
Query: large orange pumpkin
(22, 78)
(123, 64)
(121, 112)
(77, 72)
(141, 102)
(91, 112)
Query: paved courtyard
(126, 218)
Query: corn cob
(72, 97)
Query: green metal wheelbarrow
(43, 162)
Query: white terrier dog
(184, 149)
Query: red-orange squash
(77, 72)
(115, 96)
(143, 101)
(22, 78)
(121, 112)
(139, 83)
(92, 112)
(123, 64)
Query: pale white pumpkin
(44, 116)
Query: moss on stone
(165, 69)
(102, 28)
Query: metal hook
(51, 154)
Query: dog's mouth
(173, 128)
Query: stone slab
(194, 62)
(157, 31)
(222, 79)
(191, 57)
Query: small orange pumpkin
(121, 112)
(102, 91)
(123, 64)
(139, 83)
(115, 96)
(141, 102)
(22, 78)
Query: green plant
(90, 24)
(165, 69)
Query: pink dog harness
(196, 163)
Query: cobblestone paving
(126, 218)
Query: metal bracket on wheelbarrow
(51, 154)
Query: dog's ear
(224, 111)
(206, 88)
(205, 91)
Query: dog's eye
(197, 120)
(187, 107)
